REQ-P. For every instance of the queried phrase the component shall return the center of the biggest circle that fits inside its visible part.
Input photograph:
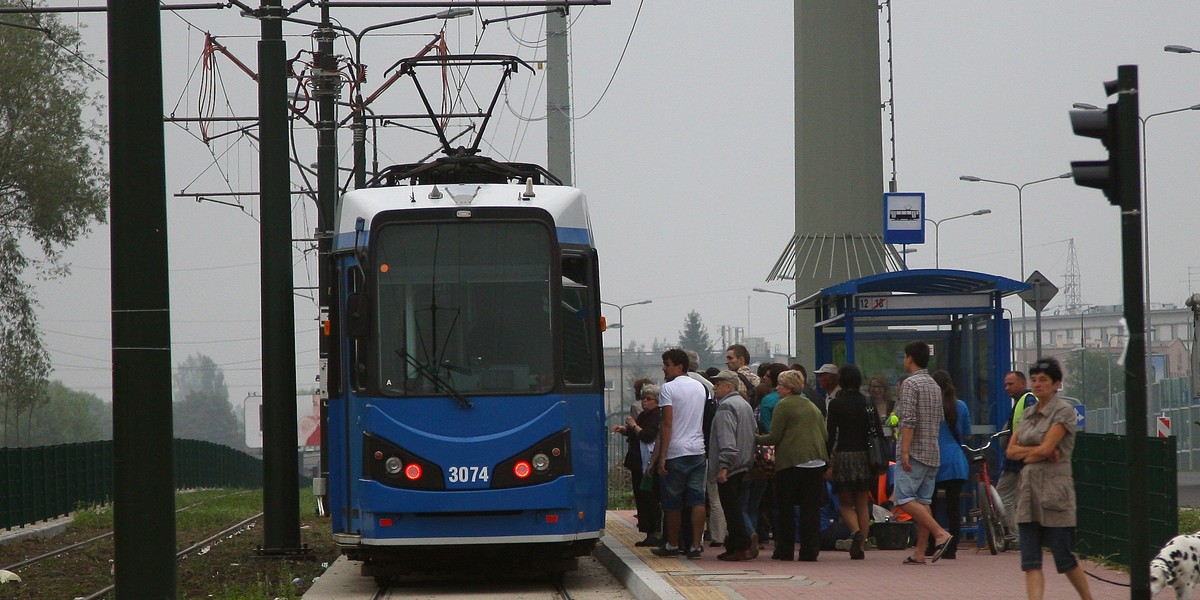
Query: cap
(729, 376)
(827, 368)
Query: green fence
(49, 481)
(1101, 474)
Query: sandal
(909, 561)
(941, 548)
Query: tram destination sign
(1040, 292)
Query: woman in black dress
(851, 475)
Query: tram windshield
(467, 303)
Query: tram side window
(578, 322)
(358, 364)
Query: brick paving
(973, 574)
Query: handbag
(763, 465)
(877, 454)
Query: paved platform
(973, 574)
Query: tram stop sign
(1040, 293)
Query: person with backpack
(682, 463)
(716, 527)
(737, 359)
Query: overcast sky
(688, 158)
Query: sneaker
(651, 541)
(843, 545)
(665, 551)
(695, 552)
(754, 547)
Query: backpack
(751, 392)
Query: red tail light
(522, 469)
(412, 471)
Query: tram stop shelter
(868, 321)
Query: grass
(1189, 520)
(226, 569)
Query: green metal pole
(558, 100)
(281, 480)
(328, 88)
(1129, 178)
(143, 481)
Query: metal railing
(45, 482)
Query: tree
(1092, 376)
(52, 187)
(69, 417)
(695, 337)
(202, 410)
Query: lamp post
(620, 327)
(1020, 187)
(937, 236)
(790, 298)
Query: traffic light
(1119, 176)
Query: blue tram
(468, 417)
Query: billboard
(308, 420)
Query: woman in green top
(798, 434)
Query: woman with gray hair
(641, 433)
(799, 435)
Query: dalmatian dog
(1177, 566)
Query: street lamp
(790, 298)
(620, 327)
(937, 236)
(1020, 187)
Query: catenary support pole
(558, 97)
(143, 479)
(281, 480)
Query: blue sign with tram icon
(904, 218)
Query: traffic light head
(1101, 125)
(1117, 127)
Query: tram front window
(466, 303)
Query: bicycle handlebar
(989, 442)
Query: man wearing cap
(730, 454)
(827, 378)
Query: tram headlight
(541, 462)
(393, 465)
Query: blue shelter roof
(921, 281)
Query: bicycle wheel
(1004, 541)
(987, 516)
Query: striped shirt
(919, 407)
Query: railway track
(79, 565)
(591, 581)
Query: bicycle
(989, 508)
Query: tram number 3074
(468, 474)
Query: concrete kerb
(41, 531)
(637, 577)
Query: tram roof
(566, 205)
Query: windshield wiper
(437, 382)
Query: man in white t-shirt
(681, 457)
